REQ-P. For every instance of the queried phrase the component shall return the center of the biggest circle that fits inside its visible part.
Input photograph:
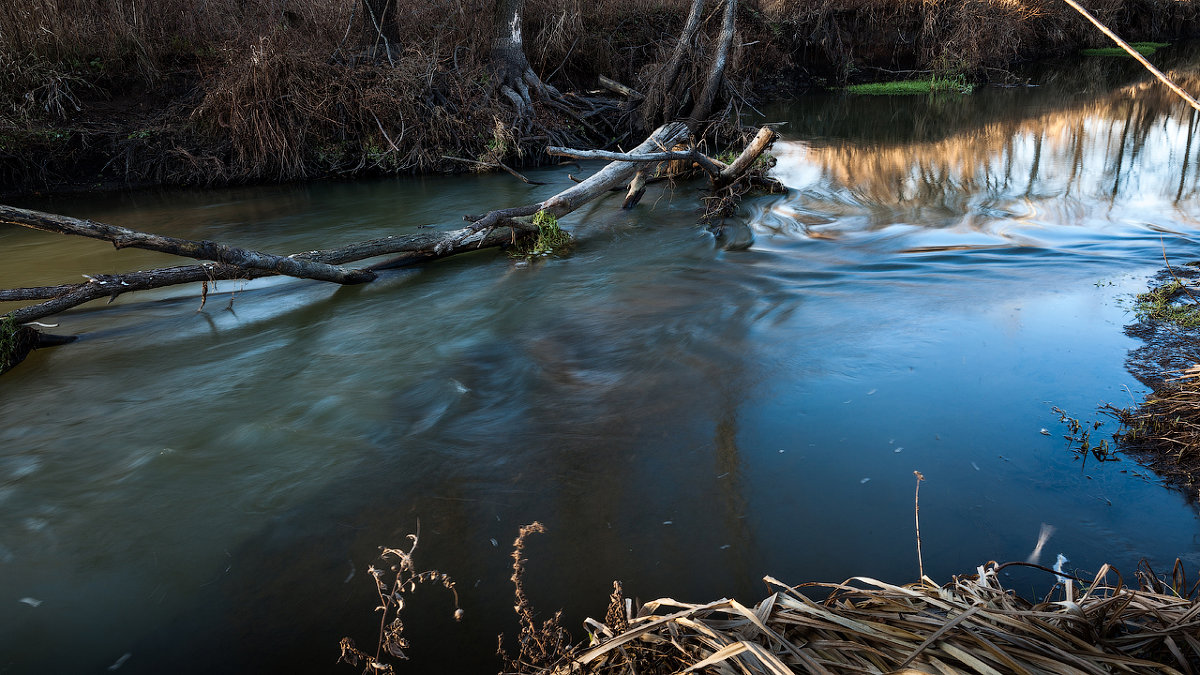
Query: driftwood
(496, 228)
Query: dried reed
(971, 625)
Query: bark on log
(637, 188)
(713, 167)
(481, 233)
(613, 174)
(203, 250)
(721, 173)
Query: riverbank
(255, 92)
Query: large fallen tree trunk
(496, 228)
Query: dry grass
(1164, 431)
(961, 36)
(971, 625)
(251, 90)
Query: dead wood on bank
(496, 228)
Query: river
(194, 489)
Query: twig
(494, 165)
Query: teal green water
(203, 489)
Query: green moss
(1143, 48)
(550, 239)
(1171, 302)
(934, 85)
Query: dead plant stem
(917, 518)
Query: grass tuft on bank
(933, 85)
(1143, 48)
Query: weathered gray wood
(637, 188)
(122, 237)
(495, 228)
(415, 248)
(617, 87)
(613, 174)
(762, 140)
(721, 173)
(666, 156)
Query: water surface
(202, 489)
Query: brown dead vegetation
(263, 90)
(974, 623)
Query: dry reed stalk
(971, 625)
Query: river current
(194, 489)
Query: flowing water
(201, 490)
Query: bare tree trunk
(716, 73)
(666, 95)
(381, 34)
(514, 76)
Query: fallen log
(497, 228)
(617, 87)
(414, 248)
(613, 174)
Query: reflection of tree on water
(1132, 143)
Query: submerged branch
(122, 237)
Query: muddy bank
(262, 91)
